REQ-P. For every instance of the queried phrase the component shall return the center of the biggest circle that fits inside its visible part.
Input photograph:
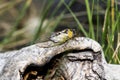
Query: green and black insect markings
(63, 36)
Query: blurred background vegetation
(25, 22)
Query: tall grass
(107, 34)
(19, 18)
(110, 30)
(75, 18)
(41, 30)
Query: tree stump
(79, 58)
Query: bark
(77, 59)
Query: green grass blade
(79, 24)
(92, 35)
(56, 9)
(97, 32)
(59, 17)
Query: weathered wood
(77, 59)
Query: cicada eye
(66, 31)
(58, 33)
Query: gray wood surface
(79, 58)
